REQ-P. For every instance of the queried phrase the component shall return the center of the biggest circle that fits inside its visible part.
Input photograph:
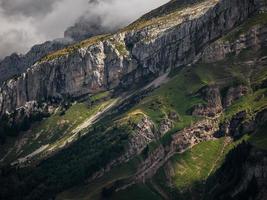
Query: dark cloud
(24, 23)
(27, 7)
(85, 28)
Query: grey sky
(24, 23)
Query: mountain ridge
(165, 139)
(97, 81)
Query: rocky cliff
(167, 137)
(254, 38)
(144, 48)
(14, 65)
(244, 175)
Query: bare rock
(235, 93)
(211, 95)
(165, 125)
(125, 58)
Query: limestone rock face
(212, 97)
(128, 56)
(235, 93)
(144, 134)
(181, 141)
(241, 124)
(254, 39)
(15, 64)
(165, 125)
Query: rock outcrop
(242, 123)
(213, 104)
(144, 133)
(180, 142)
(125, 57)
(235, 93)
(252, 39)
(14, 65)
(242, 176)
(165, 125)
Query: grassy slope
(194, 166)
(178, 96)
(187, 171)
(87, 155)
(54, 130)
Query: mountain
(14, 65)
(172, 106)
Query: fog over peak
(28, 22)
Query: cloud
(27, 7)
(27, 22)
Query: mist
(24, 23)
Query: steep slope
(15, 64)
(143, 49)
(246, 70)
(107, 62)
(158, 140)
(164, 168)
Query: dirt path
(94, 118)
(28, 157)
(86, 124)
(50, 148)
(47, 149)
(158, 81)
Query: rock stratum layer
(169, 136)
(142, 49)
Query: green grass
(73, 48)
(186, 171)
(178, 96)
(173, 96)
(100, 96)
(252, 103)
(166, 13)
(55, 128)
(189, 171)
(196, 164)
